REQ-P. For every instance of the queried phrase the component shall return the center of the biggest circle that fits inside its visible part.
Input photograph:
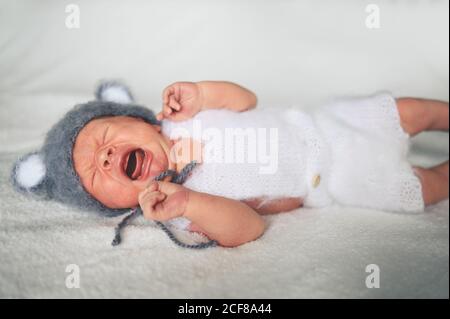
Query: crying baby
(104, 156)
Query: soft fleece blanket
(305, 253)
(289, 53)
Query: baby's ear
(113, 91)
(28, 173)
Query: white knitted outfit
(352, 151)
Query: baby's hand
(181, 101)
(162, 201)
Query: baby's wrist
(187, 207)
(201, 96)
(179, 202)
(193, 200)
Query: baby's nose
(105, 157)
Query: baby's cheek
(119, 197)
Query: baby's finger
(149, 200)
(167, 92)
(143, 196)
(158, 197)
(153, 211)
(152, 186)
(168, 188)
(160, 116)
(167, 110)
(173, 103)
(178, 116)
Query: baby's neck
(185, 150)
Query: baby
(350, 152)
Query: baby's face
(116, 157)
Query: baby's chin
(159, 164)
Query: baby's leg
(418, 115)
(434, 183)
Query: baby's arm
(274, 206)
(228, 95)
(182, 100)
(228, 221)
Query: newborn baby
(350, 152)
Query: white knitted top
(261, 153)
(352, 151)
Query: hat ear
(29, 172)
(113, 91)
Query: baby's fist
(162, 201)
(181, 101)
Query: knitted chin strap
(178, 179)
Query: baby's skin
(103, 147)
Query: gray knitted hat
(50, 174)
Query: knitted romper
(351, 151)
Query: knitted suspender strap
(178, 179)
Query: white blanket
(289, 53)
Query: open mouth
(134, 165)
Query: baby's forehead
(92, 131)
(92, 134)
(102, 122)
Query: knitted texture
(351, 151)
(369, 148)
(245, 155)
(59, 180)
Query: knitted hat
(50, 174)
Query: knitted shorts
(368, 149)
